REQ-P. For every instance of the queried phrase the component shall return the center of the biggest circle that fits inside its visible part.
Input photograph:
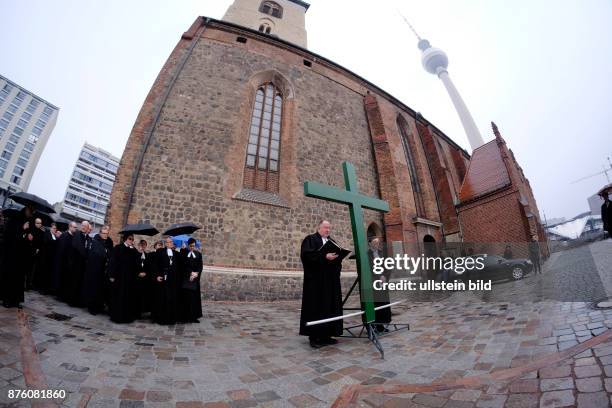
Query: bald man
(322, 293)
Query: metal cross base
(368, 330)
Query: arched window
(271, 8)
(409, 152)
(263, 150)
(264, 28)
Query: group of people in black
(125, 280)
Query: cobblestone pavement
(517, 347)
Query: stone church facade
(242, 114)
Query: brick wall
(193, 167)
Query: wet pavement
(535, 342)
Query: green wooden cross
(356, 203)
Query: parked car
(499, 268)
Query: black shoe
(316, 345)
(329, 341)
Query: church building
(242, 114)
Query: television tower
(435, 61)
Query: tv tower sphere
(435, 61)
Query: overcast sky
(539, 69)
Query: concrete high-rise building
(284, 19)
(90, 185)
(26, 121)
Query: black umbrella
(139, 229)
(32, 200)
(182, 229)
(61, 222)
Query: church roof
(320, 59)
(486, 172)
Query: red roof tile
(486, 172)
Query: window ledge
(261, 197)
(424, 221)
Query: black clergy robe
(123, 267)
(77, 263)
(322, 293)
(380, 297)
(96, 281)
(14, 264)
(47, 263)
(166, 309)
(61, 271)
(144, 285)
(190, 299)
(35, 272)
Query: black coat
(61, 271)
(77, 263)
(191, 300)
(14, 264)
(380, 297)
(606, 216)
(166, 308)
(123, 268)
(95, 281)
(144, 285)
(322, 293)
(43, 268)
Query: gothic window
(263, 149)
(272, 9)
(409, 152)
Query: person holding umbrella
(191, 300)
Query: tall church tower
(285, 19)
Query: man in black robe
(381, 297)
(96, 272)
(322, 293)
(34, 274)
(606, 214)
(61, 271)
(167, 266)
(44, 272)
(122, 271)
(144, 280)
(77, 263)
(14, 264)
(190, 298)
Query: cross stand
(368, 330)
(356, 202)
